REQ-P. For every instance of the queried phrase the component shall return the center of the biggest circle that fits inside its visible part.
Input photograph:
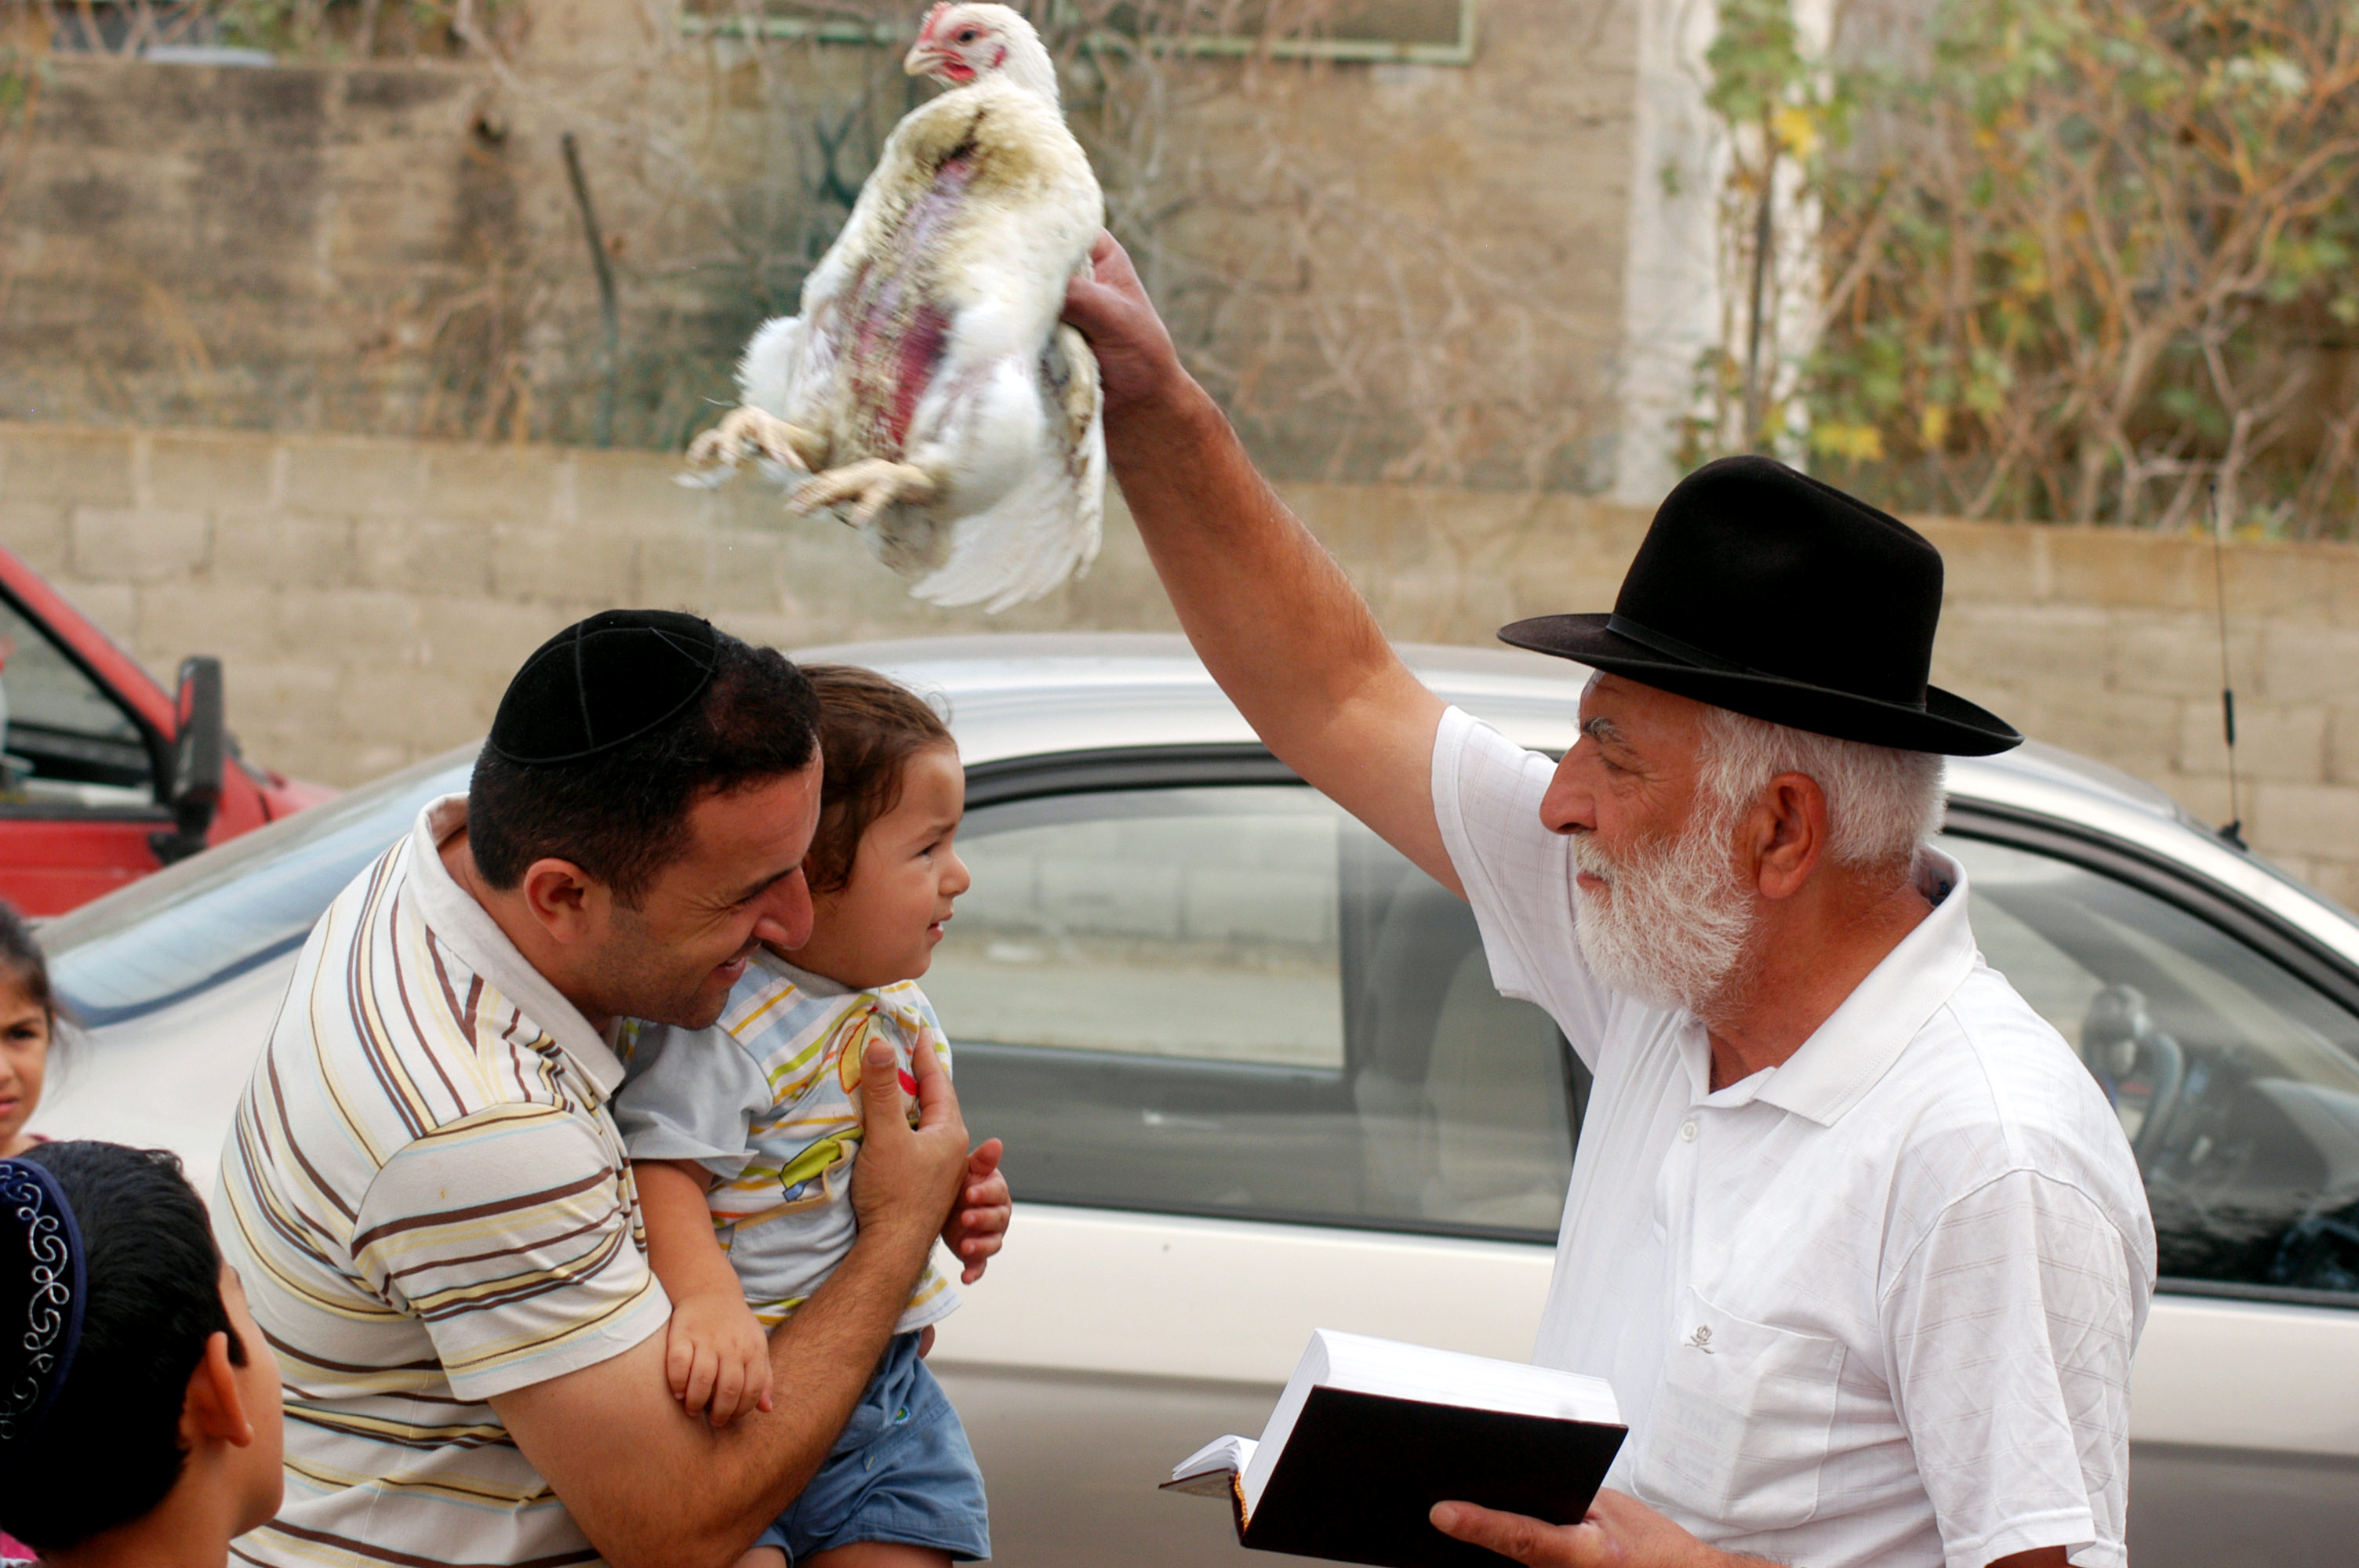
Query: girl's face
(881, 927)
(24, 1057)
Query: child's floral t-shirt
(768, 1100)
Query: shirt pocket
(1741, 1421)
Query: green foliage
(16, 85)
(1782, 120)
(2093, 261)
(1755, 60)
(21, 77)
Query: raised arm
(653, 1488)
(1269, 611)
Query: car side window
(67, 742)
(1236, 1001)
(2236, 1082)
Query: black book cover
(1360, 1472)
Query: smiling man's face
(739, 884)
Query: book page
(1222, 1454)
(1368, 1366)
(1308, 1373)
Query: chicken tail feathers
(1046, 530)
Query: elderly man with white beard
(1852, 1233)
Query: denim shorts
(901, 1472)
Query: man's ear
(1794, 837)
(212, 1408)
(564, 898)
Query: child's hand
(717, 1357)
(978, 1223)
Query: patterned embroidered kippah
(604, 682)
(42, 1292)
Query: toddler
(742, 1137)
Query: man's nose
(1570, 805)
(785, 919)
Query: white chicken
(927, 393)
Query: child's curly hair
(869, 727)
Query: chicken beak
(923, 60)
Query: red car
(105, 777)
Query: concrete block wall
(2110, 644)
(371, 598)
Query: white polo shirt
(1873, 1306)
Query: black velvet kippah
(604, 682)
(42, 1290)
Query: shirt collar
(1857, 1044)
(802, 980)
(468, 929)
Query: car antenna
(2234, 831)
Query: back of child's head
(869, 728)
(22, 963)
(97, 1444)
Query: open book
(1371, 1433)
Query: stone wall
(1396, 270)
(390, 249)
(371, 598)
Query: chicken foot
(870, 485)
(750, 430)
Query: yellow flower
(1796, 131)
(1860, 443)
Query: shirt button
(1688, 1130)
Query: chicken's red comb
(926, 28)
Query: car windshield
(230, 909)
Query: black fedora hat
(1762, 590)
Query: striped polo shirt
(430, 1204)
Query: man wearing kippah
(1851, 1231)
(425, 1190)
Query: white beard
(1672, 920)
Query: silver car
(1254, 1080)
